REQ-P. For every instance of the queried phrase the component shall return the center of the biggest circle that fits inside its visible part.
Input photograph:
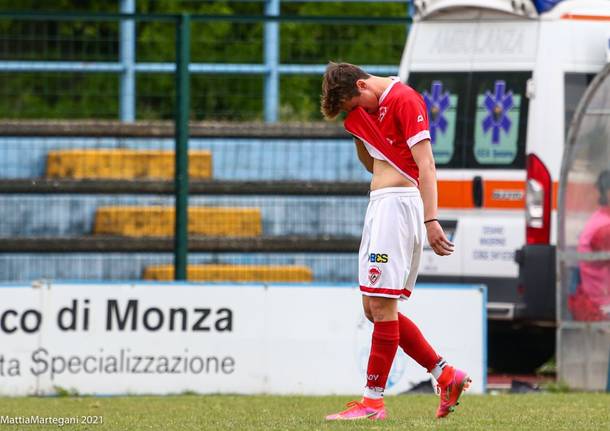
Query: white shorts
(392, 243)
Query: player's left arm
(422, 154)
(413, 116)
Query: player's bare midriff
(385, 175)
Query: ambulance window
(575, 85)
(445, 96)
(496, 136)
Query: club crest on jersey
(382, 111)
(420, 118)
(374, 274)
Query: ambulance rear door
(475, 78)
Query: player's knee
(381, 309)
(369, 315)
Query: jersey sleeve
(413, 118)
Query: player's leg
(415, 345)
(412, 342)
(384, 344)
(381, 306)
(380, 284)
(451, 381)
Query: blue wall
(232, 159)
(73, 215)
(337, 267)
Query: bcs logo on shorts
(378, 258)
(374, 275)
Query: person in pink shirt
(591, 301)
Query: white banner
(171, 338)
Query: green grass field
(546, 411)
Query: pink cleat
(356, 410)
(451, 384)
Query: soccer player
(389, 122)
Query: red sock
(415, 345)
(383, 350)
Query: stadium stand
(95, 201)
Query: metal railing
(127, 67)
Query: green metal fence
(58, 66)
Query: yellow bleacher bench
(159, 221)
(120, 163)
(234, 273)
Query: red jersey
(402, 119)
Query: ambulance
(502, 79)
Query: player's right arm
(422, 154)
(363, 155)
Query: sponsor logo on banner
(374, 274)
